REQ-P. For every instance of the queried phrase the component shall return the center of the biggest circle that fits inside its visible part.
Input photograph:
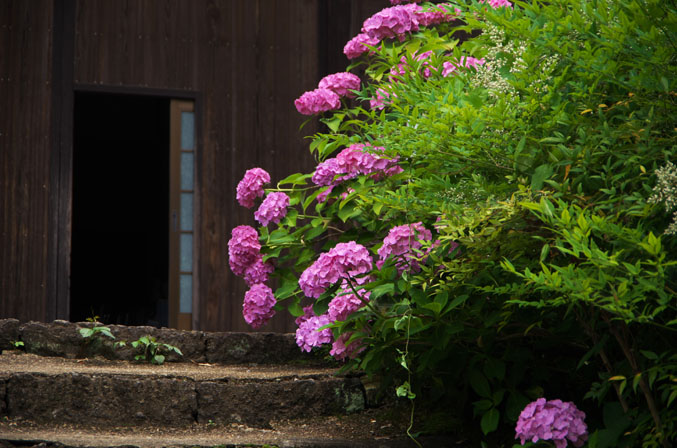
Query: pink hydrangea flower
(404, 243)
(341, 84)
(272, 209)
(382, 99)
(244, 249)
(307, 314)
(251, 186)
(317, 101)
(340, 351)
(449, 68)
(258, 305)
(346, 302)
(307, 335)
(320, 198)
(552, 420)
(344, 260)
(498, 3)
(358, 45)
(401, 69)
(326, 172)
(399, 2)
(393, 22)
(437, 14)
(258, 272)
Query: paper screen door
(181, 218)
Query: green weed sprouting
(151, 350)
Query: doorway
(120, 253)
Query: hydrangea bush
(490, 219)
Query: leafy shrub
(504, 187)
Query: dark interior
(120, 235)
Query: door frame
(61, 190)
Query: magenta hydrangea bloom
(341, 84)
(437, 14)
(307, 335)
(345, 260)
(498, 3)
(307, 314)
(399, 2)
(382, 99)
(552, 420)
(251, 186)
(449, 68)
(258, 305)
(346, 302)
(401, 69)
(326, 172)
(272, 209)
(404, 243)
(393, 22)
(244, 249)
(258, 272)
(340, 351)
(317, 101)
(324, 194)
(358, 45)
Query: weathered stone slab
(9, 333)
(101, 399)
(259, 348)
(257, 403)
(59, 338)
(3, 396)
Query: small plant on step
(18, 345)
(94, 332)
(152, 349)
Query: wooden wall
(244, 60)
(25, 142)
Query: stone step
(63, 339)
(121, 393)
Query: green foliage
(151, 350)
(95, 332)
(535, 170)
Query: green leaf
(479, 383)
(489, 421)
(541, 173)
(380, 290)
(158, 359)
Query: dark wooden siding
(248, 60)
(25, 141)
(245, 61)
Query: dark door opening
(120, 253)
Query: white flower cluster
(665, 192)
(489, 74)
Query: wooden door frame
(61, 182)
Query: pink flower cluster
(328, 94)
(308, 336)
(346, 302)
(345, 260)
(243, 249)
(394, 22)
(552, 420)
(404, 242)
(398, 2)
(498, 3)
(351, 162)
(340, 351)
(401, 69)
(258, 305)
(382, 99)
(317, 101)
(341, 84)
(272, 209)
(449, 68)
(251, 186)
(437, 14)
(358, 45)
